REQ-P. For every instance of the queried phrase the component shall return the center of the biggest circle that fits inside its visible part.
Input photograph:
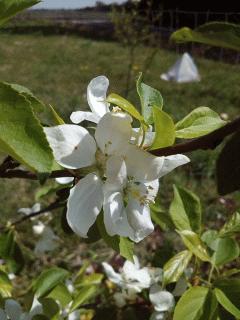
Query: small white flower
(96, 96)
(163, 302)
(121, 173)
(27, 211)
(47, 242)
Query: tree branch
(32, 176)
(53, 206)
(209, 141)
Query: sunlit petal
(84, 204)
(162, 300)
(96, 95)
(172, 162)
(80, 116)
(73, 147)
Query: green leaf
(194, 244)
(5, 285)
(11, 252)
(84, 294)
(226, 303)
(231, 288)
(185, 210)
(209, 237)
(197, 303)
(231, 227)
(175, 267)
(36, 104)
(164, 129)
(50, 308)
(199, 122)
(89, 280)
(149, 97)
(228, 166)
(61, 294)
(227, 249)
(122, 245)
(9, 8)
(56, 117)
(220, 34)
(49, 279)
(21, 134)
(124, 104)
(161, 218)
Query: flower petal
(113, 132)
(96, 95)
(162, 300)
(172, 162)
(141, 165)
(136, 276)
(73, 147)
(115, 217)
(158, 316)
(116, 172)
(80, 116)
(139, 218)
(64, 180)
(13, 309)
(84, 204)
(111, 274)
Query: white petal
(141, 165)
(26, 211)
(36, 308)
(172, 162)
(38, 228)
(137, 137)
(13, 309)
(75, 315)
(64, 180)
(134, 275)
(139, 218)
(2, 315)
(115, 217)
(84, 204)
(96, 95)
(73, 147)
(113, 132)
(80, 116)
(36, 207)
(116, 172)
(162, 300)
(111, 274)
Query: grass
(58, 68)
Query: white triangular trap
(184, 70)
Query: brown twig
(10, 174)
(209, 141)
(53, 206)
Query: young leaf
(164, 129)
(209, 237)
(149, 97)
(61, 294)
(83, 295)
(220, 34)
(48, 280)
(9, 8)
(227, 250)
(185, 210)
(228, 166)
(21, 134)
(5, 285)
(124, 104)
(197, 303)
(197, 123)
(126, 248)
(231, 227)
(11, 252)
(226, 303)
(175, 267)
(56, 117)
(194, 244)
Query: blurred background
(58, 46)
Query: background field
(58, 68)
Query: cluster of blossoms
(133, 280)
(122, 178)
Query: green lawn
(58, 68)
